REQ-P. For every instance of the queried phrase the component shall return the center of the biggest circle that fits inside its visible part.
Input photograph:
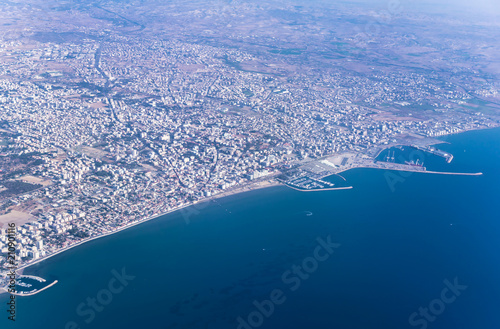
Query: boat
(414, 164)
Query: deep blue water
(400, 237)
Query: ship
(415, 164)
(390, 158)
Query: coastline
(242, 189)
(270, 181)
(238, 190)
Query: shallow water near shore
(400, 238)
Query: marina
(306, 183)
(312, 175)
(28, 285)
(282, 230)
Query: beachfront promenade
(348, 162)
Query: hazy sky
(467, 6)
(481, 5)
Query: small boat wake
(308, 213)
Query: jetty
(431, 149)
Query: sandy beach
(236, 190)
(269, 181)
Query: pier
(448, 157)
(308, 184)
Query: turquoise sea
(399, 242)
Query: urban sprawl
(108, 123)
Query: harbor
(312, 175)
(431, 149)
(306, 183)
(28, 285)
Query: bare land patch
(34, 180)
(16, 217)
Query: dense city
(106, 124)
